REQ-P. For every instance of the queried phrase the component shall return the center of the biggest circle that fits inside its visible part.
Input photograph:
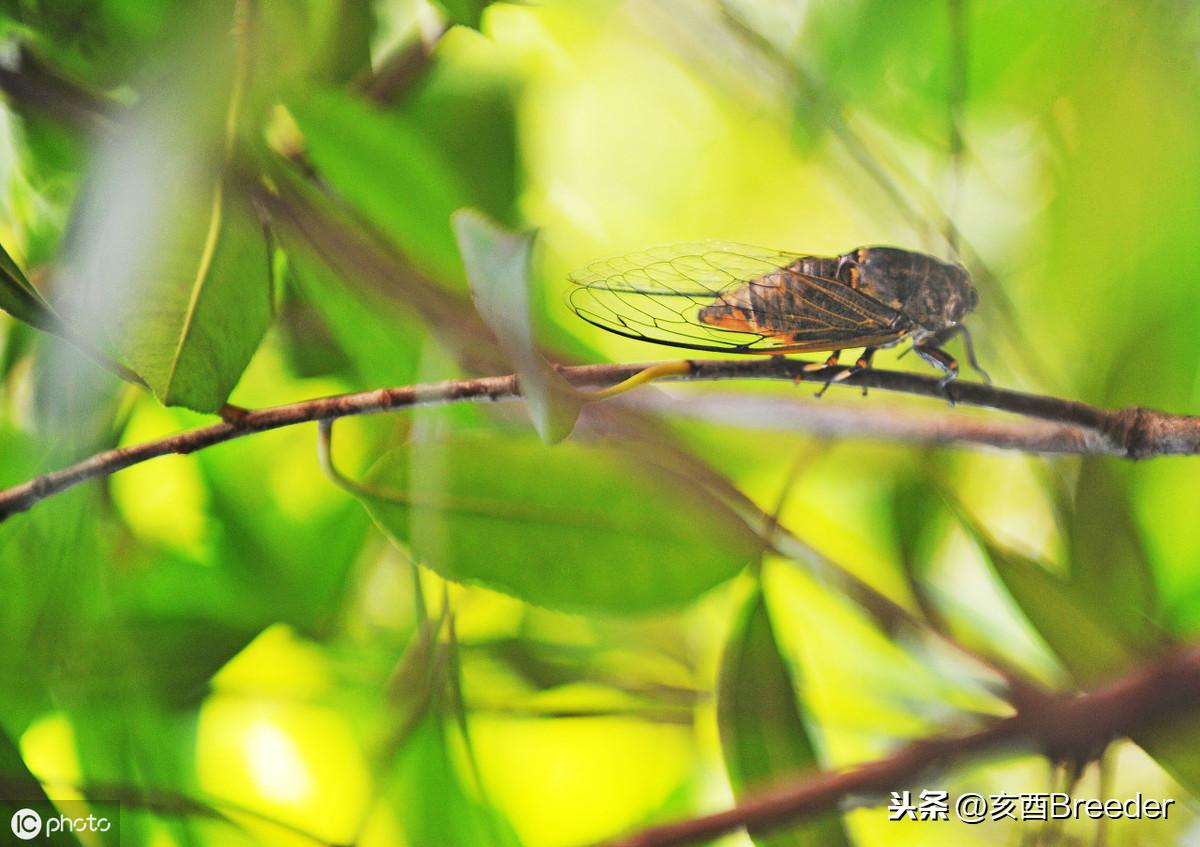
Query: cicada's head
(931, 293)
(961, 296)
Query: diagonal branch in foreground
(1133, 432)
(1064, 728)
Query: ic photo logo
(26, 824)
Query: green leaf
(764, 738)
(334, 38)
(467, 13)
(20, 299)
(466, 104)
(388, 171)
(1176, 747)
(1013, 57)
(497, 263)
(1109, 565)
(381, 341)
(19, 788)
(171, 264)
(206, 319)
(51, 559)
(167, 659)
(1080, 635)
(434, 806)
(917, 515)
(301, 42)
(575, 526)
(276, 564)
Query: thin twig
(400, 72)
(1132, 432)
(956, 95)
(1064, 729)
(864, 419)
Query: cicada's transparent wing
(729, 298)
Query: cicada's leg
(861, 364)
(939, 358)
(970, 345)
(864, 362)
(831, 362)
(943, 336)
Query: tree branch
(1133, 432)
(1063, 728)
(866, 420)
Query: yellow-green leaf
(20, 299)
(497, 265)
(574, 526)
(764, 738)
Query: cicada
(733, 298)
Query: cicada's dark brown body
(739, 299)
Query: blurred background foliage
(518, 643)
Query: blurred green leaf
(51, 560)
(170, 658)
(497, 265)
(917, 515)
(435, 807)
(172, 266)
(465, 103)
(115, 735)
(381, 342)
(467, 13)
(196, 335)
(275, 566)
(575, 526)
(346, 47)
(19, 788)
(894, 60)
(1175, 746)
(315, 39)
(1110, 570)
(1080, 634)
(301, 43)
(55, 156)
(764, 738)
(20, 299)
(389, 172)
(97, 39)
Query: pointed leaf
(764, 738)
(193, 345)
(435, 807)
(465, 12)
(1175, 746)
(1109, 564)
(19, 788)
(167, 263)
(575, 526)
(497, 265)
(20, 299)
(1080, 635)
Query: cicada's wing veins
(729, 298)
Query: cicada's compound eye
(972, 296)
(963, 297)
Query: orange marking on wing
(734, 319)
